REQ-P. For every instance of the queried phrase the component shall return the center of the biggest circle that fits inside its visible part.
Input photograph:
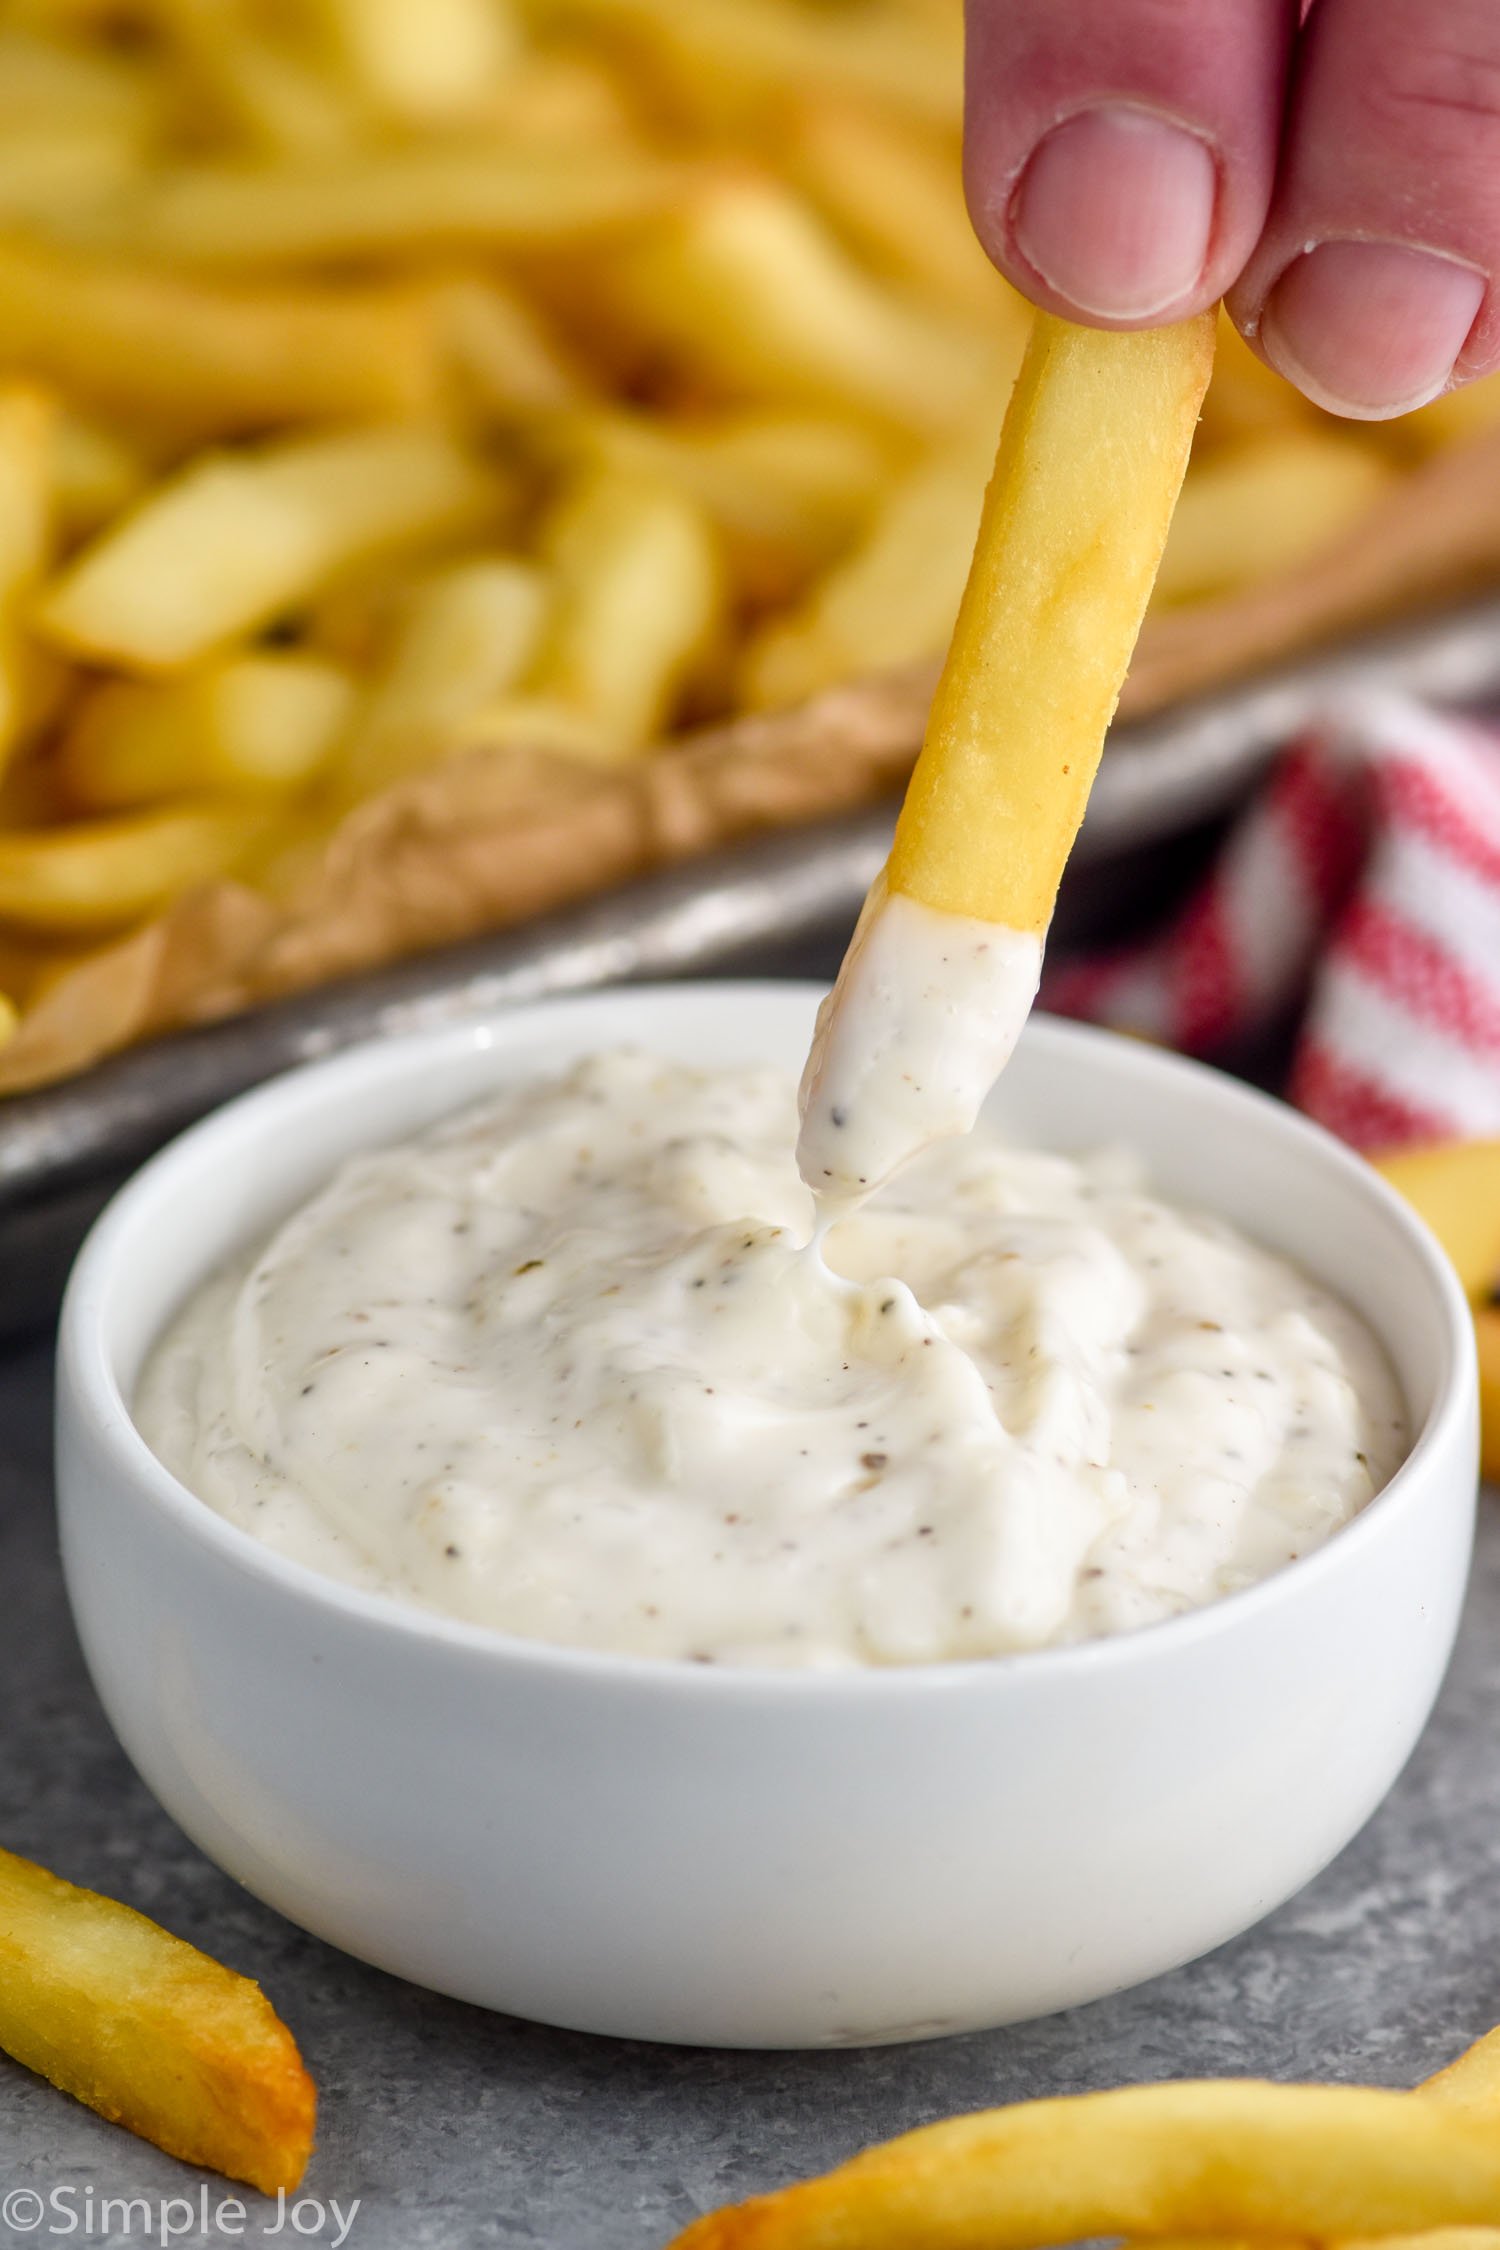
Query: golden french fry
(398, 201)
(894, 189)
(1455, 1187)
(502, 355)
(236, 539)
(1091, 457)
(1455, 416)
(28, 423)
(1470, 2086)
(1260, 507)
(96, 472)
(28, 420)
(785, 490)
(1232, 2157)
(97, 874)
(1487, 1342)
(250, 726)
(207, 359)
(150, 2032)
(262, 91)
(748, 290)
(639, 598)
(769, 45)
(894, 597)
(571, 98)
(10, 1017)
(466, 637)
(49, 83)
(55, 171)
(1246, 398)
(542, 723)
(422, 61)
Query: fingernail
(1115, 212)
(1370, 329)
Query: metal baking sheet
(780, 901)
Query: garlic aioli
(564, 1367)
(923, 1018)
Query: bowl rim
(84, 1360)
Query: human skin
(1336, 179)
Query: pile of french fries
(382, 380)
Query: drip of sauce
(924, 1017)
(538, 1370)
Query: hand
(1128, 161)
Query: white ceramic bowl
(757, 1858)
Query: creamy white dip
(924, 1017)
(563, 1366)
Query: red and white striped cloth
(1365, 874)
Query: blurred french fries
(747, 291)
(893, 597)
(246, 726)
(235, 540)
(184, 357)
(96, 875)
(465, 638)
(385, 378)
(785, 490)
(422, 65)
(1264, 505)
(389, 202)
(742, 50)
(639, 595)
(27, 430)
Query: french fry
(96, 472)
(894, 190)
(173, 351)
(894, 597)
(98, 874)
(244, 726)
(1457, 415)
(785, 490)
(748, 290)
(1260, 507)
(60, 84)
(567, 96)
(1091, 456)
(541, 723)
(54, 171)
(769, 45)
(465, 638)
(1232, 2157)
(1075, 520)
(1455, 1187)
(1470, 2086)
(639, 598)
(502, 356)
(435, 196)
(264, 94)
(28, 420)
(237, 539)
(10, 1017)
(422, 61)
(150, 2032)
(1246, 398)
